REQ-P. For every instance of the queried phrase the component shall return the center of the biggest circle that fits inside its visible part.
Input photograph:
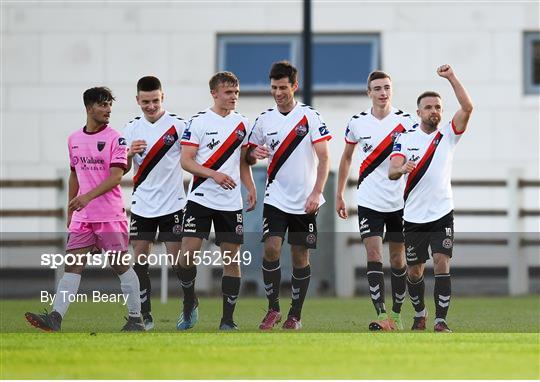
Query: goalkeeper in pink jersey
(96, 214)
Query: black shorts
(228, 225)
(372, 223)
(170, 227)
(439, 235)
(302, 228)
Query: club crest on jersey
(301, 130)
(100, 145)
(177, 229)
(394, 135)
(240, 134)
(168, 139)
(239, 229)
(447, 243)
(311, 238)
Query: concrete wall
(51, 52)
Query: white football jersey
(428, 192)
(376, 139)
(158, 181)
(292, 166)
(219, 141)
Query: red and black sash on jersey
(377, 156)
(156, 153)
(291, 142)
(223, 153)
(422, 166)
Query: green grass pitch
(494, 338)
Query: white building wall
(52, 52)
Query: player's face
(226, 96)
(430, 111)
(100, 112)
(283, 91)
(380, 92)
(151, 104)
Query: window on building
(341, 63)
(532, 62)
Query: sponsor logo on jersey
(301, 130)
(122, 141)
(367, 147)
(74, 161)
(364, 226)
(411, 254)
(412, 149)
(100, 145)
(168, 139)
(274, 144)
(74, 147)
(189, 226)
(323, 130)
(211, 133)
(368, 137)
(240, 134)
(272, 133)
(213, 144)
(397, 147)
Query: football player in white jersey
(214, 145)
(379, 199)
(294, 138)
(158, 193)
(425, 157)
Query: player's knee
(272, 251)
(300, 257)
(414, 272)
(374, 254)
(397, 260)
(441, 263)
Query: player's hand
(79, 202)
(445, 71)
(138, 146)
(260, 152)
(312, 203)
(69, 216)
(408, 167)
(251, 199)
(224, 180)
(341, 208)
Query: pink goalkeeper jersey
(91, 156)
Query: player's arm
(256, 152)
(247, 179)
(322, 152)
(73, 189)
(137, 146)
(113, 180)
(461, 118)
(187, 160)
(343, 175)
(399, 167)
